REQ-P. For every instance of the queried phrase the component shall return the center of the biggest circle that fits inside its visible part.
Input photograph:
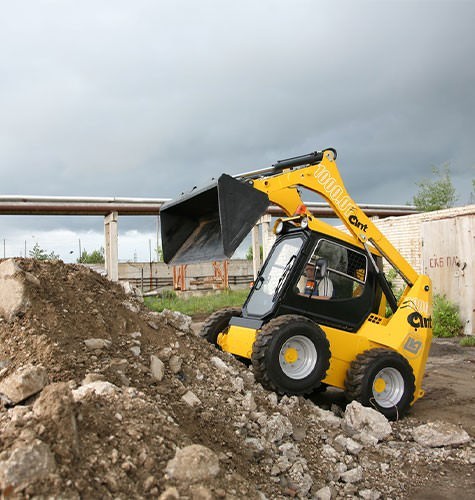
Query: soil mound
(102, 398)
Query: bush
(446, 318)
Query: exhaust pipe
(210, 223)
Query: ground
(116, 440)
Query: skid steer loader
(316, 314)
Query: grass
(199, 305)
(468, 341)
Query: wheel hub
(388, 387)
(298, 357)
(291, 355)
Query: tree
(436, 194)
(39, 254)
(250, 253)
(95, 257)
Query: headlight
(278, 226)
(304, 223)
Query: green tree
(39, 254)
(250, 253)
(436, 194)
(95, 257)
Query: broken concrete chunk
(27, 464)
(13, 298)
(97, 343)
(23, 383)
(175, 363)
(193, 463)
(157, 367)
(436, 434)
(135, 350)
(177, 320)
(100, 388)
(191, 399)
(360, 420)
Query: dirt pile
(105, 399)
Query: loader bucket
(210, 223)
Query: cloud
(151, 98)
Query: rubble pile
(101, 398)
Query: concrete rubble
(176, 418)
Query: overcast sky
(149, 98)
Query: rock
(135, 350)
(100, 388)
(353, 475)
(193, 463)
(191, 399)
(323, 493)
(348, 444)
(200, 492)
(220, 364)
(157, 367)
(248, 402)
(23, 383)
(55, 408)
(177, 320)
(92, 377)
(97, 343)
(299, 478)
(175, 363)
(13, 292)
(254, 447)
(360, 420)
(369, 494)
(170, 493)
(26, 464)
(327, 417)
(277, 427)
(435, 434)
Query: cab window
(333, 272)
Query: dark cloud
(151, 98)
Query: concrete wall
(159, 274)
(440, 244)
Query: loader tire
(217, 322)
(291, 355)
(381, 379)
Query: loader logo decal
(416, 320)
(335, 191)
(354, 221)
(412, 345)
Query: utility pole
(80, 252)
(4, 253)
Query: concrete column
(111, 246)
(256, 251)
(267, 242)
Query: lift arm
(324, 178)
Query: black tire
(394, 375)
(217, 322)
(275, 371)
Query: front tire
(291, 355)
(381, 379)
(217, 322)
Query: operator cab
(312, 274)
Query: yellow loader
(316, 315)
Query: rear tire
(217, 322)
(381, 379)
(291, 355)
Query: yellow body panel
(238, 341)
(408, 332)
